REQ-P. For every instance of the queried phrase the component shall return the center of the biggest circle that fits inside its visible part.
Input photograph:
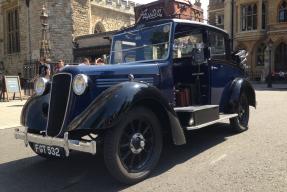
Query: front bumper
(65, 143)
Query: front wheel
(240, 123)
(132, 149)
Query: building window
(263, 16)
(283, 12)
(281, 58)
(13, 38)
(219, 19)
(249, 17)
(261, 55)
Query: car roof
(197, 23)
(162, 21)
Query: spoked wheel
(240, 123)
(133, 148)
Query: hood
(114, 70)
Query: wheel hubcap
(137, 143)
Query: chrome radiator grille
(59, 101)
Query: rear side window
(217, 44)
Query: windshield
(150, 43)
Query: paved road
(213, 160)
(10, 113)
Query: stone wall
(111, 20)
(11, 61)
(67, 20)
(61, 30)
(81, 16)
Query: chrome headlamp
(40, 86)
(80, 84)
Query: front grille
(59, 100)
(105, 83)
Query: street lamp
(270, 45)
(45, 47)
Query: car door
(222, 70)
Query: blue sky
(204, 4)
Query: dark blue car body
(164, 78)
(111, 93)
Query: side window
(186, 41)
(217, 44)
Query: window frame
(282, 10)
(249, 17)
(12, 31)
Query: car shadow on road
(83, 172)
(15, 106)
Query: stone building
(20, 27)
(253, 24)
(216, 13)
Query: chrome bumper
(88, 147)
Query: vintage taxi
(165, 78)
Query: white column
(227, 16)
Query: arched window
(281, 58)
(263, 16)
(283, 12)
(99, 28)
(261, 55)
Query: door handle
(214, 68)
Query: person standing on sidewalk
(44, 69)
(59, 66)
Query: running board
(221, 118)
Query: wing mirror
(240, 57)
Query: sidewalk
(10, 113)
(263, 86)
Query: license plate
(48, 150)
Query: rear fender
(232, 92)
(112, 105)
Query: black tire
(240, 123)
(132, 149)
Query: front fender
(111, 106)
(34, 113)
(232, 94)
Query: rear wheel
(240, 123)
(132, 149)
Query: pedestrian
(59, 66)
(99, 61)
(44, 69)
(86, 61)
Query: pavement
(10, 113)
(214, 159)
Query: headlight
(40, 86)
(80, 84)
